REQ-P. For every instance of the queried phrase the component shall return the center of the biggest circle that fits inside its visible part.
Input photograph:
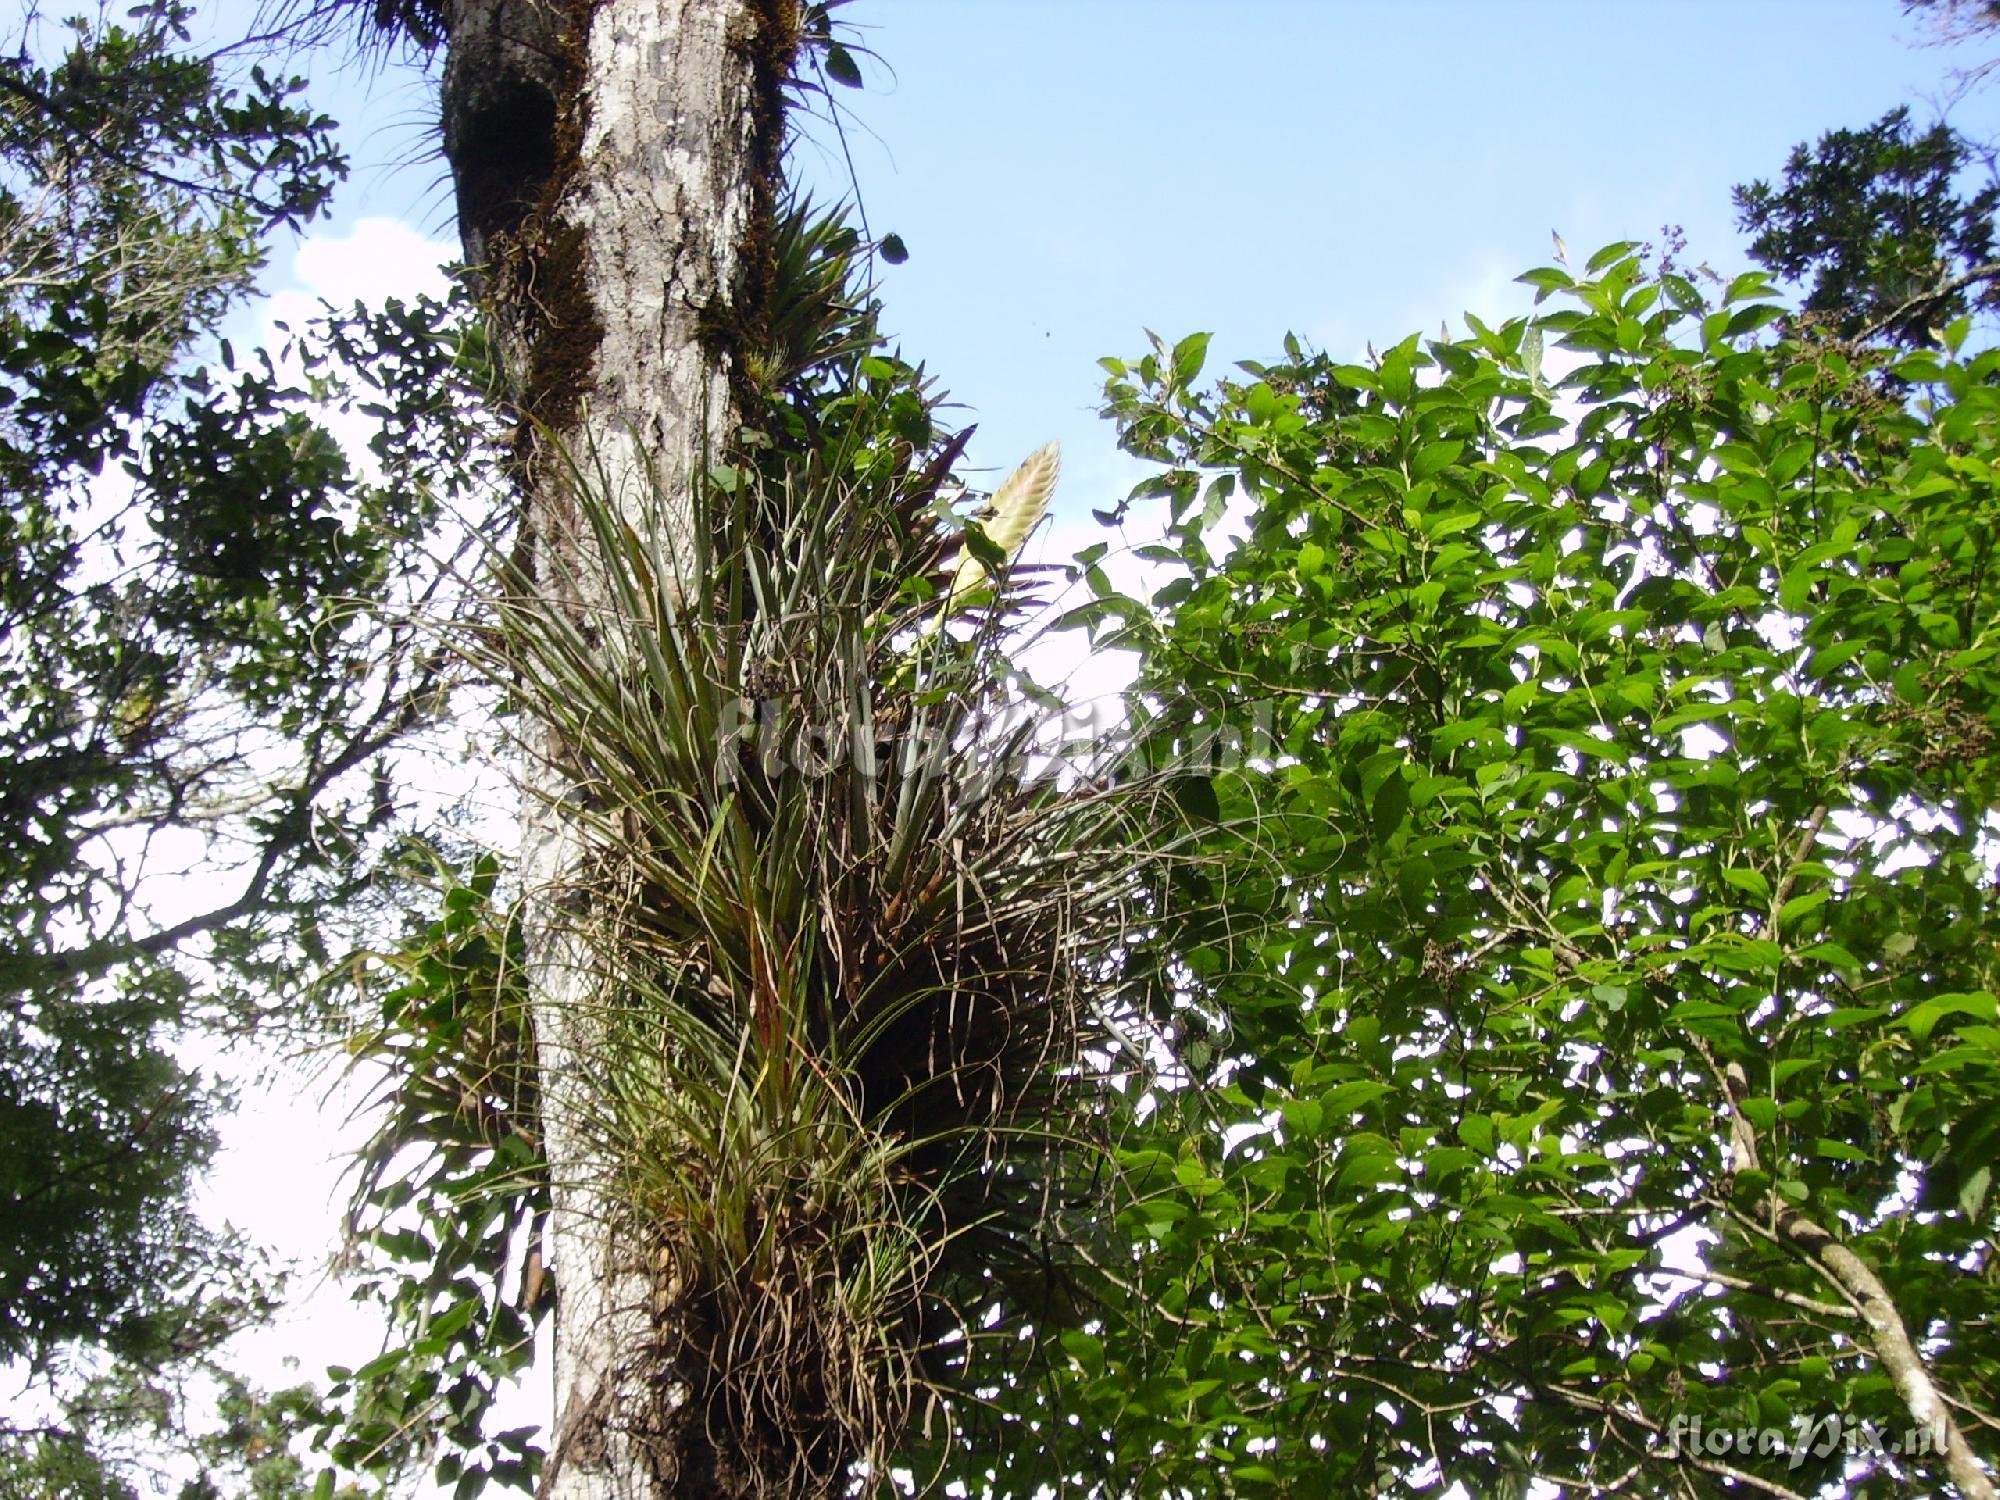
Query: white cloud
(279, 1175)
(379, 259)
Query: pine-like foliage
(848, 945)
(851, 934)
(1882, 222)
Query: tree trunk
(615, 164)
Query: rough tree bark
(615, 164)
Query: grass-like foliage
(837, 940)
(849, 936)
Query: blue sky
(1068, 174)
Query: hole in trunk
(507, 154)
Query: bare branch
(1987, 271)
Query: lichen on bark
(616, 166)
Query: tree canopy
(128, 228)
(1593, 1030)
(1883, 224)
(197, 663)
